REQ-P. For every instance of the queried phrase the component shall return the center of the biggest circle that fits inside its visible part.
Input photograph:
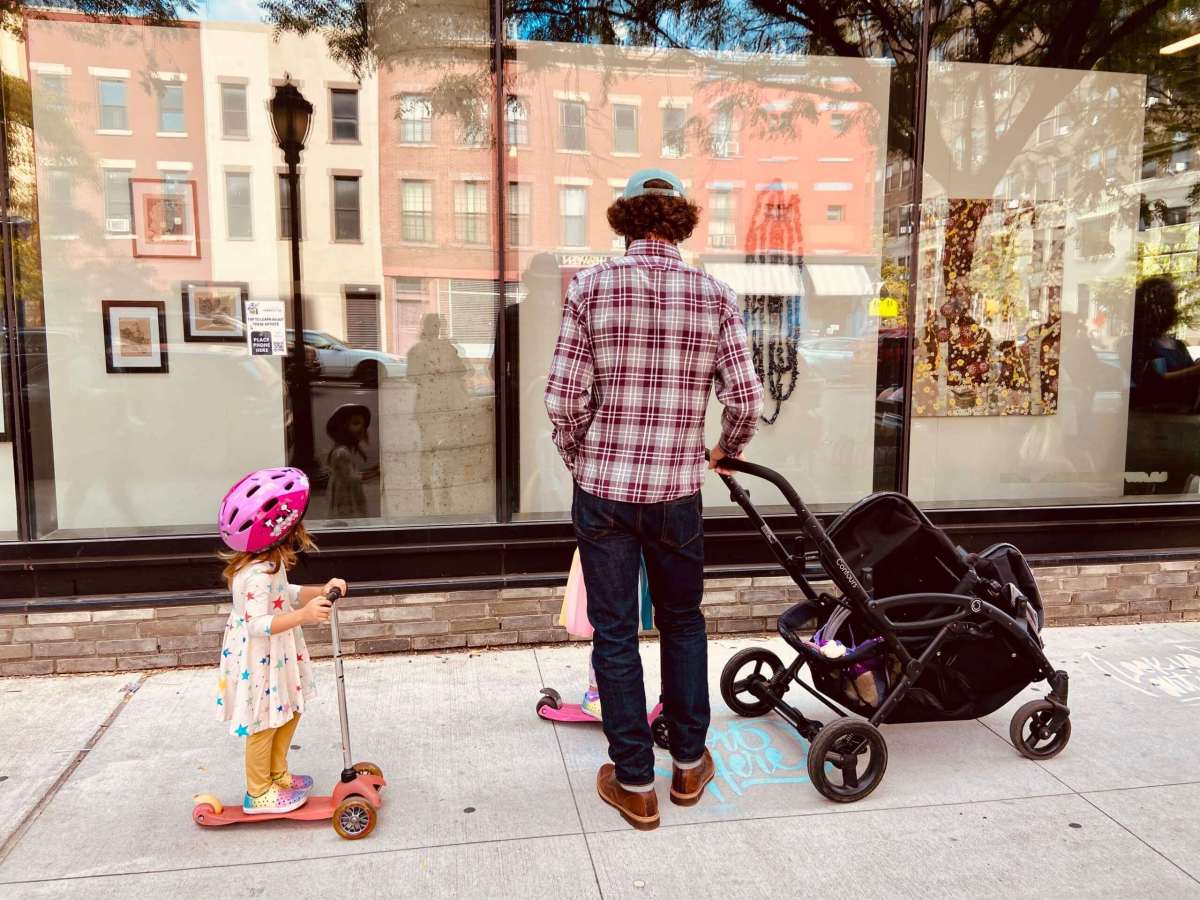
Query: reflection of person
(347, 427)
(439, 374)
(643, 338)
(1163, 375)
(266, 679)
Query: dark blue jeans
(612, 537)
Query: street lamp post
(291, 117)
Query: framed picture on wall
(215, 311)
(166, 222)
(135, 336)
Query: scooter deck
(573, 712)
(316, 808)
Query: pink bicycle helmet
(262, 509)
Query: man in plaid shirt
(644, 338)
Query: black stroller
(922, 632)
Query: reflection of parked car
(338, 360)
(838, 358)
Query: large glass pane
(782, 141)
(152, 255)
(1058, 283)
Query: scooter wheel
(661, 731)
(1030, 731)
(368, 768)
(553, 696)
(546, 703)
(354, 819)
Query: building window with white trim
(114, 104)
(516, 122)
(343, 103)
(239, 221)
(416, 119)
(117, 201)
(470, 212)
(722, 230)
(520, 214)
(625, 128)
(234, 121)
(835, 213)
(572, 125)
(170, 108)
(573, 209)
(674, 127)
(347, 218)
(416, 211)
(726, 135)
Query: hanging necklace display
(773, 320)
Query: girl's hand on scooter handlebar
(338, 583)
(317, 610)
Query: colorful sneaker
(288, 781)
(274, 800)
(591, 704)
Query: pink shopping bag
(573, 615)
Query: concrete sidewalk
(487, 800)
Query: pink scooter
(355, 798)
(550, 706)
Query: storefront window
(1057, 272)
(147, 401)
(784, 152)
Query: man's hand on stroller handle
(714, 457)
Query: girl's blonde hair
(284, 556)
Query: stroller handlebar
(748, 468)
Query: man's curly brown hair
(670, 218)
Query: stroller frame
(842, 743)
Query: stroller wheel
(744, 670)
(662, 732)
(847, 760)
(1030, 731)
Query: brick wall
(127, 639)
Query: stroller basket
(920, 630)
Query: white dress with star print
(265, 678)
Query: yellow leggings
(266, 755)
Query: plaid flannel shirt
(644, 338)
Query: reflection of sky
(230, 10)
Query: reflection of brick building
(573, 133)
(114, 103)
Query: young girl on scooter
(265, 675)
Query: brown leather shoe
(687, 785)
(638, 808)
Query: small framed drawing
(215, 311)
(135, 336)
(166, 222)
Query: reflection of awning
(841, 280)
(770, 279)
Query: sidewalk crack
(36, 810)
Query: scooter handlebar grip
(334, 595)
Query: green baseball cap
(636, 186)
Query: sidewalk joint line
(570, 787)
(1137, 837)
(38, 807)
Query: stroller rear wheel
(744, 669)
(1032, 731)
(847, 760)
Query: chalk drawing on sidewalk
(1175, 674)
(747, 756)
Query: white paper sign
(266, 330)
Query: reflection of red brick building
(115, 103)
(573, 133)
